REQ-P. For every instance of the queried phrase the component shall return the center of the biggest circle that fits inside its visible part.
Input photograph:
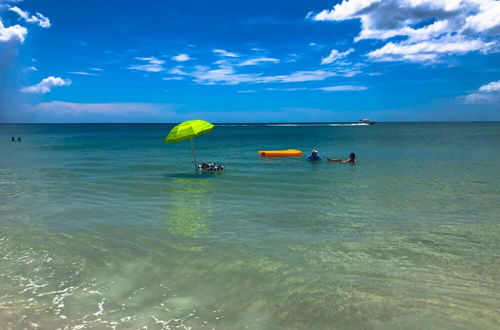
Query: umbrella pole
(194, 154)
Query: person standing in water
(351, 159)
(13, 139)
(19, 139)
(314, 156)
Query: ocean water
(105, 226)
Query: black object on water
(18, 139)
(13, 139)
(210, 167)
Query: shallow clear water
(107, 226)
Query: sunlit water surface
(105, 226)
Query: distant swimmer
(13, 139)
(18, 139)
(351, 159)
(314, 156)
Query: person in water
(314, 156)
(13, 139)
(351, 159)
(210, 167)
(18, 139)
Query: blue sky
(249, 61)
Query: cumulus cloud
(46, 85)
(493, 86)
(10, 38)
(152, 64)
(224, 53)
(335, 55)
(38, 18)
(15, 33)
(181, 58)
(430, 29)
(13, 36)
(489, 93)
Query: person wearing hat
(314, 156)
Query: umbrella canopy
(188, 130)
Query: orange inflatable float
(280, 153)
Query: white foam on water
(355, 124)
(317, 125)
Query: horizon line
(245, 123)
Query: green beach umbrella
(187, 131)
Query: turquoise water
(105, 226)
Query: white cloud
(10, 39)
(447, 27)
(29, 69)
(489, 93)
(290, 89)
(173, 78)
(335, 55)
(300, 76)
(228, 70)
(46, 85)
(338, 88)
(428, 51)
(487, 19)
(178, 70)
(84, 73)
(38, 18)
(228, 76)
(181, 58)
(259, 60)
(223, 75)
(14, 33)
(224, 53)
(153, 64)
(342, 88)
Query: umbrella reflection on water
(190, 210)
